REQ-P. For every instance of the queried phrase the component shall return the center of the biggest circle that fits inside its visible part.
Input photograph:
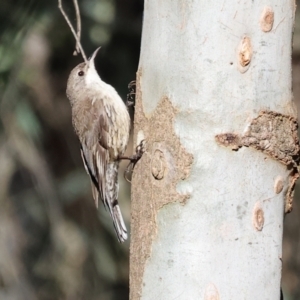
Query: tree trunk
(214, 105)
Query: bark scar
(274, 134)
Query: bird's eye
(80, 73)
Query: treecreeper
(102, 123)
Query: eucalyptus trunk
(215, 107)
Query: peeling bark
(277, 136)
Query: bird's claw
(139, 151)
(130, 102)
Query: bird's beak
(92, 58)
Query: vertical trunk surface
(214, 105)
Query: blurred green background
(54, 244)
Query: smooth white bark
(209, 247)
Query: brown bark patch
(267, 19)
(274, 134)
(294, 175)
(231, 140)
(245, 52)
(211, 292)
(164, 164)
(258, 217)
(278, 185)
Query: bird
(102, 123)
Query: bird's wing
(95, 162)
(95, 145)
(98, 158)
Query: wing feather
(97, 155)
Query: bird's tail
(112, 189)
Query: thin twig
(78, 21)
(72, 29)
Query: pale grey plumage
(101, 121)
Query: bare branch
(77, 37)
(78, 20)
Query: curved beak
(92, 57)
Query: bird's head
(81, 77)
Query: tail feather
(111, 196)
(119, 224)
(105, 186)
(95, 193)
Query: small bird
(102, 123)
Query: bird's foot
(139, 151)
(130, 102)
